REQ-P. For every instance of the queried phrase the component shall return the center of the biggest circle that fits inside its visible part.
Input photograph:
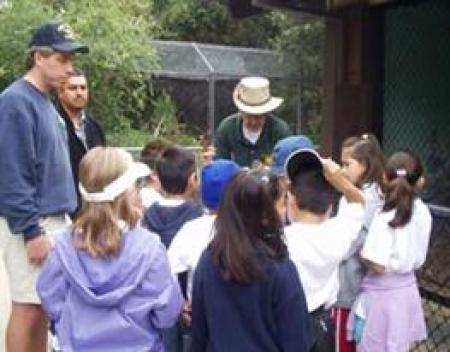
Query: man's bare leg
(27, 329)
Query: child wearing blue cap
(193, 237)
(286, 147)
(281, 152)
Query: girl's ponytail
(403, 171)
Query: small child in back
(388, 313)
(363, 164)
(107, 285)
(316, 243)
(177, 173)
(194, 236)
(151, 191)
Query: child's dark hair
(367, 151)
(152, 151)
(271, 181)
(247, 228)
(174, 167)
(312, 191)
(403, 171)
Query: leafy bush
(210, 22)
(18, 19)
(118, 66)
(304, 39)
(162, 124)
(121, 61)
(207, 21)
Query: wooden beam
(353, 101)
(344, 3)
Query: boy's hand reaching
(330, 167)
(334, 175)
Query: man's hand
(37, 249)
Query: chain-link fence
(434, 283)
(416, 111)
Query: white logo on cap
(66, 31)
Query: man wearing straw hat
(249, 136)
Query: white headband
(118, 186)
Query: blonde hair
(97, 229)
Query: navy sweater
(35, 174)
(167, 220)
(269, 315)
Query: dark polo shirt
(230, 142)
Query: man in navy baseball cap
(57, 36)
(35, 196)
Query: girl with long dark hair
(247, 295)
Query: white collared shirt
(80, 130)
(188, 245)
(402, 249)
(318, 249)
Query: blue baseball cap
(286, 147)
(57, 36)
(302, 160)
(215, 177)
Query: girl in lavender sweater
(106, 285)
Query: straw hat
(252, 96)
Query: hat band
(111, 191)
(254, 104)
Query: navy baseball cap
(215, 177)
(58, 36)
(302, 160)
(286, 147)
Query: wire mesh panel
(416, 117)
(417, 89)
(189, 60)
(201, 77)
(434, 282)
(180, 59)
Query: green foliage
(208, 21)
(118, 33)
(304, 39)
(163, 124)
(120, 61)
(18, 20)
